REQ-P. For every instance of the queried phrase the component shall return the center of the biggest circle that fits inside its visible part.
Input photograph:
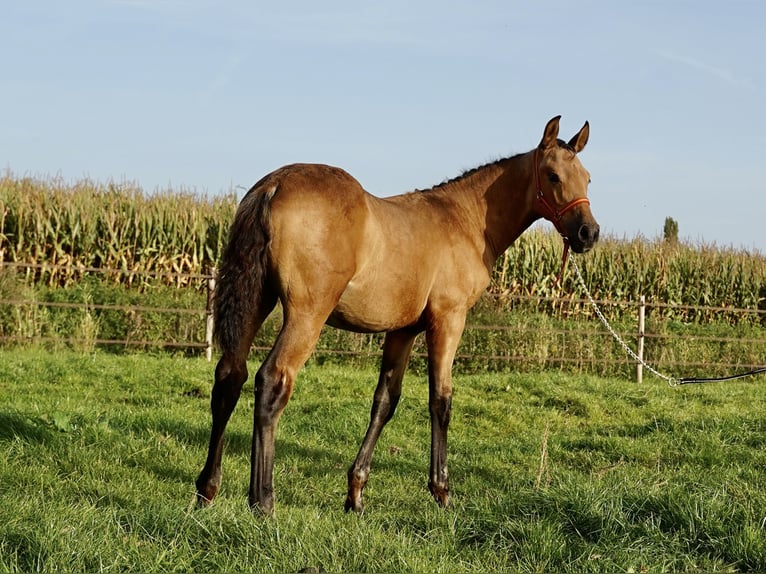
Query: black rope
(696, 380)
(671, 381)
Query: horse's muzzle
(585, 237)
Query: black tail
(242, 271)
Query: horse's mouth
(580, 248)
(585, 238)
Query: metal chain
(673, 382)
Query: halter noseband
(554, 214)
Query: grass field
(550, 472)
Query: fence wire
(368, 347)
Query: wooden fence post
(209, 322)
(640, 350)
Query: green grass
(98, 455)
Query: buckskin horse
(310, 237)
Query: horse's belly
(373, 312)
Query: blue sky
(209, 96)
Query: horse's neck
(498, 200)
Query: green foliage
(113, 226)
(624, 270)
(98, 456)
(670, 231)
(96, 312)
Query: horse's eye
(553, 178)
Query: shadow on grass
(16, 425)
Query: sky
(208, 96)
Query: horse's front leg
(442, 338)
(396, 353)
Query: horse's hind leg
(396, 353)
(273, 387)
(230, 376)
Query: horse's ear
(577, 143)
(551, 133)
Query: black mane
(473, 170)
(469, 172)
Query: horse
(311, 238)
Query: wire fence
(541, 344)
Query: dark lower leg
(442, 339)
(438, 482)
(273, 388)
(229, 378)
(396, 352)
(261, 494)
(230, 375)
(383, 407)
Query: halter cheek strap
(554, 214)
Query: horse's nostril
(588, 234)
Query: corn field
(119, 227)
(109, 226)
(682, 277)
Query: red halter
(553, 214)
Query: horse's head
(561, 187)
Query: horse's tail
(242, 273)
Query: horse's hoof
(205, 494)
(354, 504)
(203, 501)
(440, 494)
(207, 485)
(262, 508)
